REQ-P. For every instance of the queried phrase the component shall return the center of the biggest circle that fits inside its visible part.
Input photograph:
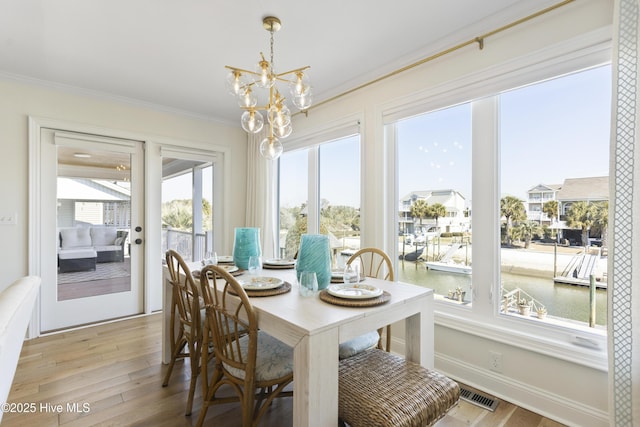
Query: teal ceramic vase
(315, 255)
(245, 245)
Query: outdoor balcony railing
(191, 247)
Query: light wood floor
(113, 372)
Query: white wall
(572, 393)
(19, 100)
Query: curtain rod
(480, 40)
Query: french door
(92, 235)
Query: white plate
(229, 268)
(261, 283)
(279, 261)
(357, 291)
(226, 259)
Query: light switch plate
(8, 219)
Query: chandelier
(241, 83)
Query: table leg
(166, 318)
(419, 335)
(315, 380)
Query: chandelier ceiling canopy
(243, 84)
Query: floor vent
(479, 399)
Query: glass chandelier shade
(246, 98)
(236, 82)
(243, 84)
(252, 121)
(264, 75)
(279, 115)
(271, 148)
(300, 90)
(283, 131)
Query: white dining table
(314, 328)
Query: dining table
(314, 328)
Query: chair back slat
(376, 263)
(373, 263)
(231, 328)
(231, 317)
(185, 292)
(185, 328)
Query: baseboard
(540, 401)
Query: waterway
(562, 301)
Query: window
(293, 193)
(340, 196)
(555, 133)
(319, 190)
(434, 180)
(187, 216)
(538, 176)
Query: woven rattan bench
(377, 388)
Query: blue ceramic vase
(245, 245)
(315, 255)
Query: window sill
(551, 337)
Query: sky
(339, 171)
(180, 187)
(549, 131)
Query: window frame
(577, 344)
(311, 140)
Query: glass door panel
(92, 248)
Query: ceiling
(171, 54)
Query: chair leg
(248, 400)
(207, 397)
(194, 359)
(174, 357)
(203, 413)
(388, 349)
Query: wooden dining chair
(378, 388)
(255, 366)
(373, 263)
(186, 321)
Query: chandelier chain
(271, 57)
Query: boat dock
(579, 271)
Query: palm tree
(525, 232)
(512, 209)
(419, 209)
(550, 208)
(582, 215)
(178, 214)
(602, 220)
(437, 210)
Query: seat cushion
(383, 389)
(107, 248)
(358, 344)
(274, 359)
(79, 253)
(75, 238)
(103, 236)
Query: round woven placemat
(278, 267)
(238, 272)
(369, 302)
(286, 287)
